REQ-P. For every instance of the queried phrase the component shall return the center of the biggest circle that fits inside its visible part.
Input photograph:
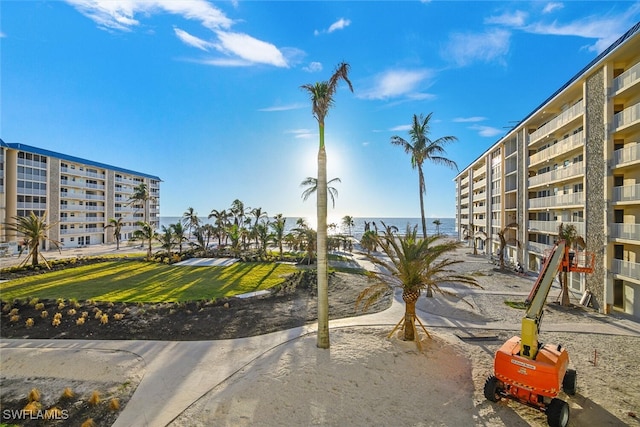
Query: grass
(137, 281)
(519, 305)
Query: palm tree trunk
(34, 256)
(410, 299)
(422, 190)
(564, 285)
(323, 292)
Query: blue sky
(206, 95)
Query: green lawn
(137, 281)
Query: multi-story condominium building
(574, 160)
(78, 196)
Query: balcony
(628, 155)
(82, 230)
(496, 207)
(626, 117)
(560, 174)
(538, 248)
(552, 226)
(31, 177)
(32, 206)
(626, 79)
(562, 119)
(480, 184)
(31, 192)
(572, 199)
(625, 231)
(627, 269)
(627, 193)
(32, 163)
(78, 172)
(564, 146)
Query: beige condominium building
(78, 197)
(574, 160)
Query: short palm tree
(348, 222)
(116, 224)
(34, 230)
(312, 185)
(166, 239)
(321, 94)
(178, 232)
(147, 233)
(421, 148)
(568, 233)
(278, 234)
(413, 264)
(369, 241)
(437, 223)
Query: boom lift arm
(535, 301)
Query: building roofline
(631, 32)
(49, 153)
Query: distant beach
(447, 225)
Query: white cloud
(301, 133)
(340, 24)
(469, 119)
(192, 40)
(2, 35)
(487, 131)
(397, 83)
(250, 48)
(120, 15)
(313, 67)
(400, 128)
(283, 107)
(551, 6)
(515, 19)
(463, 49)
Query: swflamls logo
(23, 414)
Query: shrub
(29, 322)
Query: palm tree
(146, 232)
(437, 223)
(116, 224)
(322, 94)
(278, 227)
(348, 222)
(421, 148)
(413, 264)
(190, 220)
(34, 230)
(503, 242)
(312, 185)
(178, 233)
(221, 223)
(369, 241)
(141, 195)
(166, 239)
(259, 215)
(568, 233)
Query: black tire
(569, 382)
(491, 387)
(558, 413)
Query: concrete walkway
(177, 373)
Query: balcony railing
(626, 79)
(626, 117)
(561, 147)
(560, 200)
(628, 154)
(562, 173)
(80, 219)
(32, 206)
(32, 163)
(78, 172)
(552, 226)
(32, 177)
(625, 268)
(563, 118)
(627, 193)
(539, 248)
(82, 230)
(625, 231)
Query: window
(618, 294)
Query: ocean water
(447, 225)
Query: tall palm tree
(146, 232)
(503, 241)
(259, 216)
(141, 195)
(413, 264)
(221, 221)
(190, 220)
(278, 227)
(321, 94)
(348, 222)
(421, 148)
(312, 184)
(116, 224)
(34, 230)
(568, 233)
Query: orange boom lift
(531, 372)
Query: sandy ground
(367, 379)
